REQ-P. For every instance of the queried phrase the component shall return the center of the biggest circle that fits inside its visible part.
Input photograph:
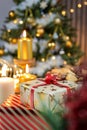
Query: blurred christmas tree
(47, 22)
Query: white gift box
(50, 96)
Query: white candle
(4, 70)
(6, 88)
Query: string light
(71, 10)
(68, 54)
(15, 21)
(9, 30)
(43, 59)
(20, 22)
(65, 63)
(67, 37)
(63, 12)
(79, 5)
(53, 57)
(85, 2)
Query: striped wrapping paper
(15, 116)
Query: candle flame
(27, 68)
(4, 69)
(24, 33)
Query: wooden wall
(79, 20)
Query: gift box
(15, 116)
(47, 93)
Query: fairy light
(53, 44)
(43, 59)
(53, 57)
(9, 30)
(71, 10)
(20, 22)
(79, 5)
(69, 54)
(65, 63)
(63, 12)
(67, 37)
(85, 2)
(15, 21)
(49, 44)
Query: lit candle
(6, 85)
(27, 76)
(19, 78)
(4, 70)
(25, 47)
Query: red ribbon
(49, 79)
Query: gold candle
(25, 47)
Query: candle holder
(22, 76)
(22, 63)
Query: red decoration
(77, 108)
(15, 116)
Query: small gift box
(47, 93)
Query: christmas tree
(47, 23)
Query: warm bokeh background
(79, 18)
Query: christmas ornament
(51, 45)
(14, 41)
(61, 52)
(55, 35)
(1, 52)
(11, 14)
(57, 21)
(40, 30)
(68, 54)
(66, 38)
(15, 21)
(30, 20)
(68, 44)
(43, 4)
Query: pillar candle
(25, 47)
(6, 88)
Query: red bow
(50, 78)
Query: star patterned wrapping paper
(48, 96)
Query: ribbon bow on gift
(49, 79)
